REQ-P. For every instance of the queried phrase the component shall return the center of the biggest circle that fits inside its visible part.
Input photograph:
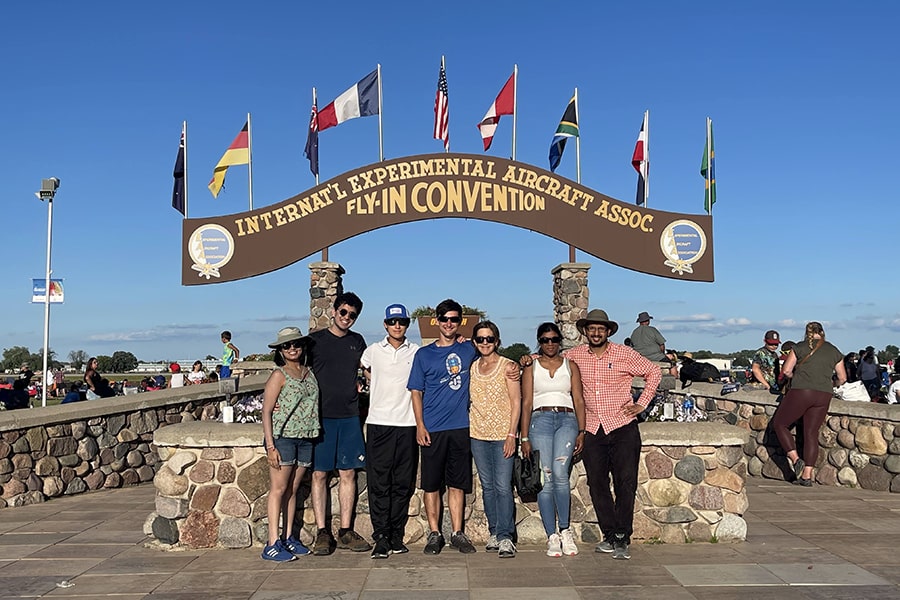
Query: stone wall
(859, 443)
(108, 443)
(213, 487)
(571, 295)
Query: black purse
(527, 476)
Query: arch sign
(434, 186)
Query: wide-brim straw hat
(597, 316)
(288, 334)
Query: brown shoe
(351, 540)
(324, 544)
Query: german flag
(238, 153)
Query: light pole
(48, 192)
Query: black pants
(616, 453)
(392, 457)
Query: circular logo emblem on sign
(683, 243)
(210, 247)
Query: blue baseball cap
(395, 311)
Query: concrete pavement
(819, 543)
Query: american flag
(442, 110)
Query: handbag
(527, 476)
(786, 387)
(852, 392)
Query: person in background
(494, 409)
(177, 378)
(766, 365)
(810, 365)
(553, 423)
(213, 376)
(96, 387)
(647, 340)
(59, 381)
(73, 394)
(851, 366)
(868, 371)
(196, 375)
(290, 416)
(230, 354)
(893, 395)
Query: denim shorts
(294, 451)
(340, 446)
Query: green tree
(210, 357)
(122, 362)
(14, 357)
(890, 352)
(515, 351)
(78, 358)
(702, 354)
(742, 358)
(104, 363)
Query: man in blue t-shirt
(439, 383)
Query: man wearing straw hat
(612, 442)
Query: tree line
(13, 359)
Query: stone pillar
(325, 284)
(570, 299)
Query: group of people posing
(442, 405)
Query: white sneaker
(554, 547)
(567, 540)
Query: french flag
(361, 100)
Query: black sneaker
(398, 547)
(382, 548)
(803, 482)
(324, 544)
(461, 542)
(798, 468)
(620, 548)
(435, 543)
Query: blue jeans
(553, 435)
(495, 474)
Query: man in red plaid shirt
(612, 443)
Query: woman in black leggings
(810, 364)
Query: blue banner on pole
(38, 291)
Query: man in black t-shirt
(335, 361)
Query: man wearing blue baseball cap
(392, 453)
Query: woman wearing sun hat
(290, 423)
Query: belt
(555, 409)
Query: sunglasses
(344, 312)
(292, 344)
(445, 318)
(550, 340)
(396, 321)
(485, 339)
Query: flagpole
(250, 160)
(515, 90)
(380, 132)
(316, 104)
(447, 100)
(647, 157)
(577, 164)
(708, 170)
(184, 135)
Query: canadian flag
(505, 104)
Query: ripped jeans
(553, 435)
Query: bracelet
(525, 439)
(512, 435)
(583, 431)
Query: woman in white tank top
(553, 423)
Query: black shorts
(447, 461)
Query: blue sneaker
(277, 553)
(295, 546)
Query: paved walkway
(819, 543)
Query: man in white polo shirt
(392, 453)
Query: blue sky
(803, 97)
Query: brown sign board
(436, 186)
